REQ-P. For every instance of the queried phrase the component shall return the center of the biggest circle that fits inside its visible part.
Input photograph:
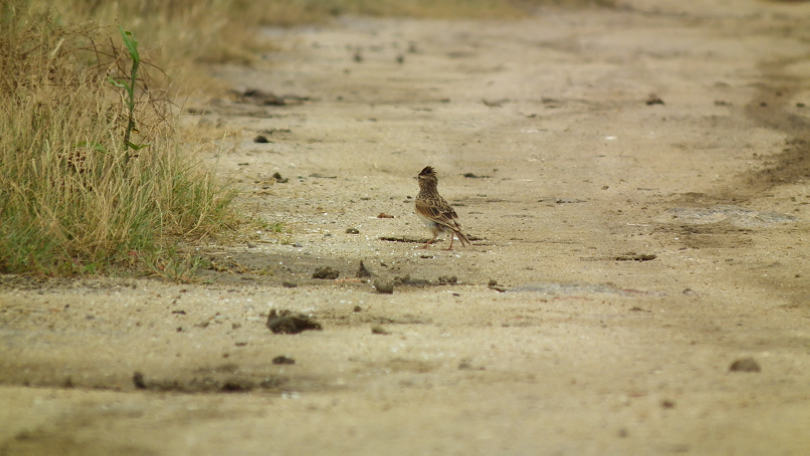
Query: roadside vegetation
(95, 176)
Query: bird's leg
(452, 237)
(428, 242)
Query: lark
(434, 211)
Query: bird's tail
(462, 238)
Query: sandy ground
(639, 247)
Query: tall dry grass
(73, 197)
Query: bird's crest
(428, 171)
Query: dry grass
(73, 197)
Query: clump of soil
(286, 322)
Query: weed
(132, 46)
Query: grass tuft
(75, 196)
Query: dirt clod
(325, 272)
(261, 97)
(137, 380)
(362, 272)
(408, 280)
(283, 360)
(654, 99)
(236, 384)
(384, 287)
(745, 365)
(493, 285)
(633, 256)
(286, 322)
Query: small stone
(325, 272)
(384, 287)
(289, 284)
(667, 404)
(384, 215)
(261, 139)
(279, 179)
(352, 231)
(745, 365)
(448, 280)
(377, 329)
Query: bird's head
(427, 176)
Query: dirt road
(635, 182)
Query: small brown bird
(434, 211)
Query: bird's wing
(440, 212)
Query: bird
(434, 211)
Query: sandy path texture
(634, 181)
